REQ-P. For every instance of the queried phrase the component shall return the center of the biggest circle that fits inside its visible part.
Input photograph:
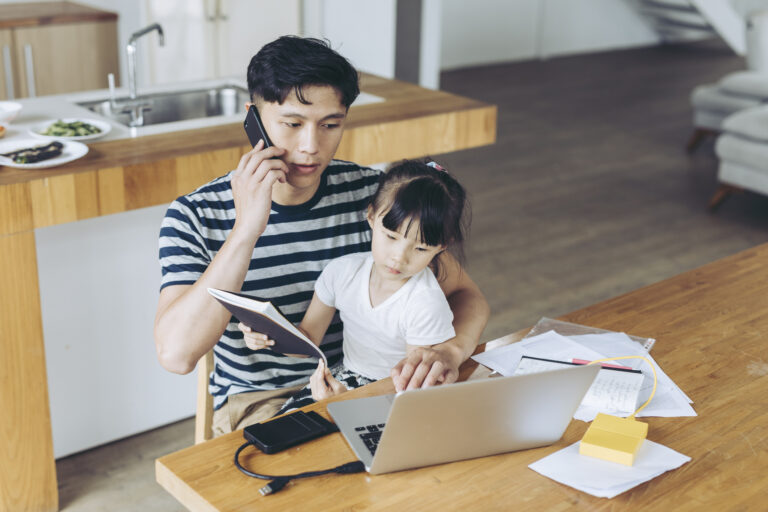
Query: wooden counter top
(33, 14)
(125, 174)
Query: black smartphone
(255, 128)
(289, 430)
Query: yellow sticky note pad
(614, 439)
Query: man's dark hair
(291, 62)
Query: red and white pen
(605, 365)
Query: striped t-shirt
(287, 259)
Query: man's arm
(427, 366)
(189, 321)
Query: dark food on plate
(73, 129)
(35, 154)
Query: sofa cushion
(746, 152)
(710, 97)
(751, 123)
(746, 83)
(743, 176)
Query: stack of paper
(608, 479)
(614, 391)
(668, 401)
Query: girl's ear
(369, 216)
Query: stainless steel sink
(174, 106)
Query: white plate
(37, 130)
(71, 151)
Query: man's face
(309, 133)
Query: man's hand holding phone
(252, 182)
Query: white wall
(431, 37)
(99, 285)
(490, 31)
(130, 18)
(199, 48)
(364, 32)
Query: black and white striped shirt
(287, 259)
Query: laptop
(460, 421)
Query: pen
(604, 365)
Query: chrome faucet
(130, 50)
(135, 108)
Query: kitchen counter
(126, 171)
(39, 111)
(122, 174)
(409, 122)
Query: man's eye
(292, 125)
(330, 126)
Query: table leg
(27, 467)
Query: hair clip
(436, 166)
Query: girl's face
(398, 255)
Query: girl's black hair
(414, 191)
(291, 62)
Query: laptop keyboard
(370, 434)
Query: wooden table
(710, 325)
(123, 175)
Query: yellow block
(614, 439)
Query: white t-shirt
(375, 338)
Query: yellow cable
(655, 379)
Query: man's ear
(248, 105)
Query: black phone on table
(255, 128)
(289, 430)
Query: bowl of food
(71, 129)
(9, 110)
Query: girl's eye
(390, 236)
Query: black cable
(280, 481)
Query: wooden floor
(587, 194)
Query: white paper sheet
(669, 400)
(613, 391)
(606, 479)
(549, 345)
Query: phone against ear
(255, 128)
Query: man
(269, 227)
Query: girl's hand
(255, 340)
(323, 384)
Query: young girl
(389, 299)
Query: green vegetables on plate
(73, 129)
